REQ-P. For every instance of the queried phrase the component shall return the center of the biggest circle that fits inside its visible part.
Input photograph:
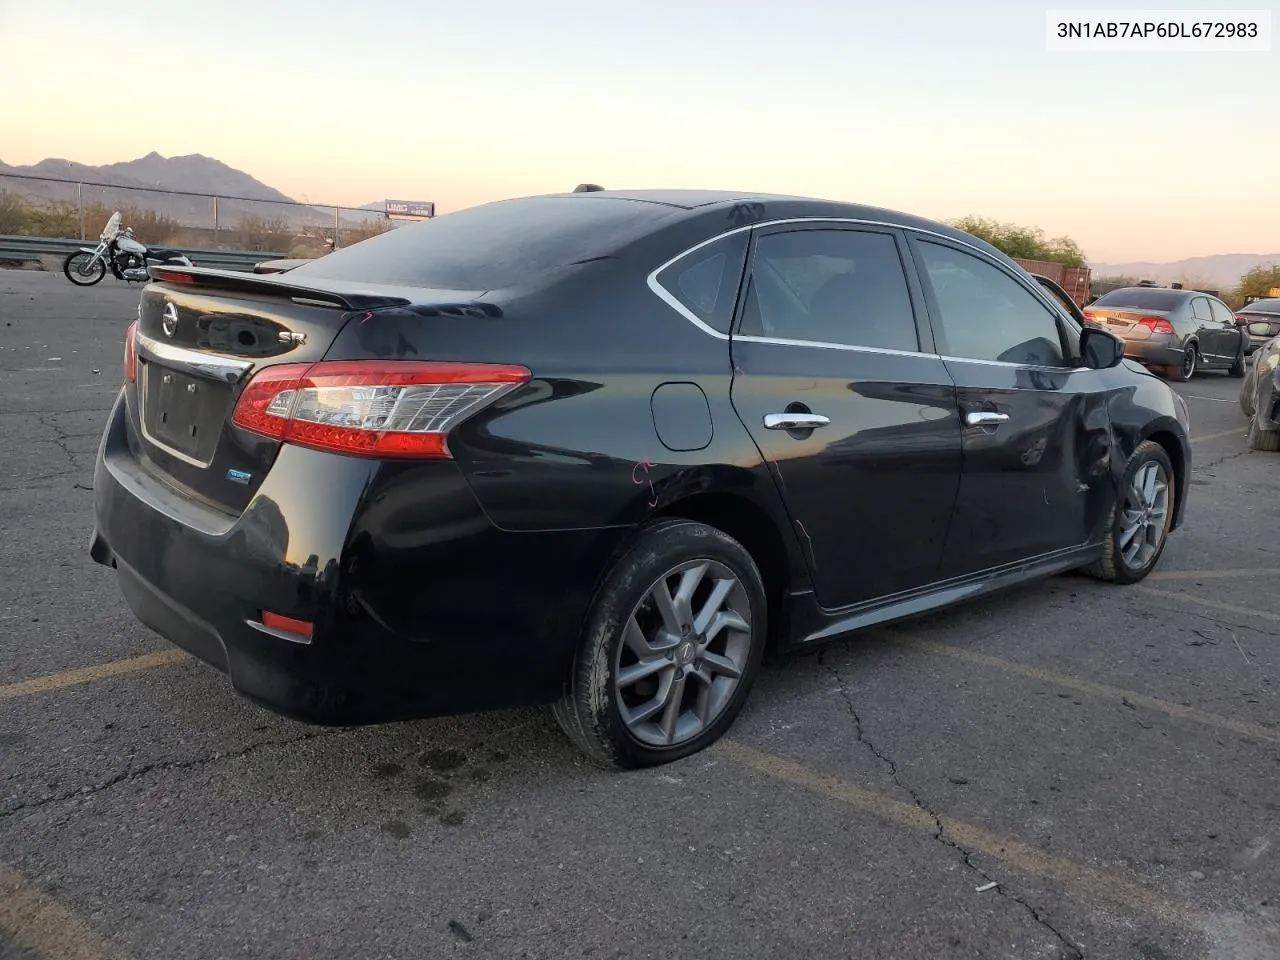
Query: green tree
(1027, 243)
(1258, 282)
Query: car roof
(764, 207)
(685, 199)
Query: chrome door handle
(794, 421)
(984, 418)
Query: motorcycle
(118, 251)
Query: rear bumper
(421, 607)
(1153, 353)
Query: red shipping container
(1074, 280)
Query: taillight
(1241, 321)
(1090, 315)
(1157, 324)
(302, 629)
(371, 408)
(131, 353)
(171, 276)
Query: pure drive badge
(238, 476)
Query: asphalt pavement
(1069, 770)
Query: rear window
(496, 245)
(1262, 306)
(1142, 298)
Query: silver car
(1175, 332)
(1260, 397)
(1260, 321)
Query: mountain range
(1222, 270)
(137, 182)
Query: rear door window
(836, 286)
(1200, 307)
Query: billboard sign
(410, 209)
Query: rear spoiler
(273, 285)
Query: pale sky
(937, 108)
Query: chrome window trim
(1032, 287)
(847, 347)
(667, 297)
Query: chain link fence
(48, 207)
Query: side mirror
(1100, 349)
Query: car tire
(1116, 564)
(1238, 368)
(1247, 398)
(627, 633)
(1190, 362)
(1264, 441)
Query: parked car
(599, 450)
(1260, 321)
(280, 266)
(1260, 397)
(1175, 331)
(289, 263)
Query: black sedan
(1175, 331)
(1260, 321)
(600, 450)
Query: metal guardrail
(31, 248)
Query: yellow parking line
(1218, 436)
(1116, 886)
(101, 671)
(37, 922)
(1212, 604)
(1214, 574)
(1102, 691)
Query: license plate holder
(183, 414)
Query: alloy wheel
(684, 650)
(1188, 363)
(1143, 520)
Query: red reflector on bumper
(275, 621)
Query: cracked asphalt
(1106, 757)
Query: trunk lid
(202, 334)
(1248, 319)
(1124, 321)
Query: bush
(149, 227)
(268, 234)
(53, 218)
(1258, 282)
(370, 228)
(13, 213)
